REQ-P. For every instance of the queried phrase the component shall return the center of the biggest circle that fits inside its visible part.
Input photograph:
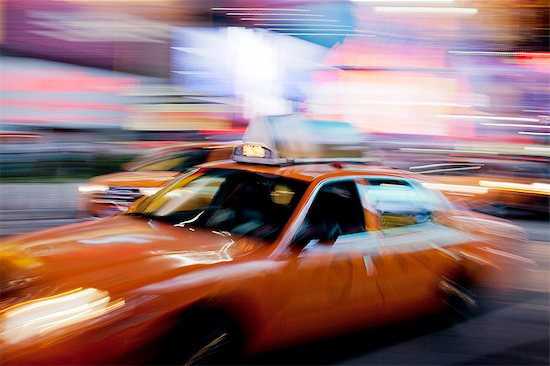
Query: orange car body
(139, 273)
(145, 175)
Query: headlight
(92, 188)
(47, 314)
(149, 191)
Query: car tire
(460, 300)
(203, 339)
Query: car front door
(330, 279)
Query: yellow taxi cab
(111, 194)
(499, 187)
(239, 257)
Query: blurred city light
(457, 91)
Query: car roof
(309, 172)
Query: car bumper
(122, 337)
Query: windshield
(235, 201)
(176, 162)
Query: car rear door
(413, 257)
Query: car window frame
(286, 241)
(415, 185)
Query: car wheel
(208, 339)
(215, 347)
(459, 299)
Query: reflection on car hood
(135, 179)
(123, 252)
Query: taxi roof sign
(287, 139)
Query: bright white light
(447, 151)
(420, 10)
(492, 118)
(536, 148)
(496, 53)
(330, 34)
(92, 188)
(301, 25)
(258, 9)
(419, 103)
(275, 14)
(451, 169)
(514, 125)
(37, 317)
(535, 133)
(538, 187)
(150, 191)
(456, 188)
(542, 186)
(290, 19)
(430, 166)
(309, 29)
(255, 59)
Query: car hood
(122, 253)
(135, 179)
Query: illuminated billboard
(263, 69)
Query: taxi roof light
(289, 139)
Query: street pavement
(26, 207)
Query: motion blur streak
(45, 315)
(458, 11)
(540, 188)
(105, 105)
(456, 188)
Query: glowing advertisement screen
(243, 61)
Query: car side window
(335, 211)
(400, 203)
